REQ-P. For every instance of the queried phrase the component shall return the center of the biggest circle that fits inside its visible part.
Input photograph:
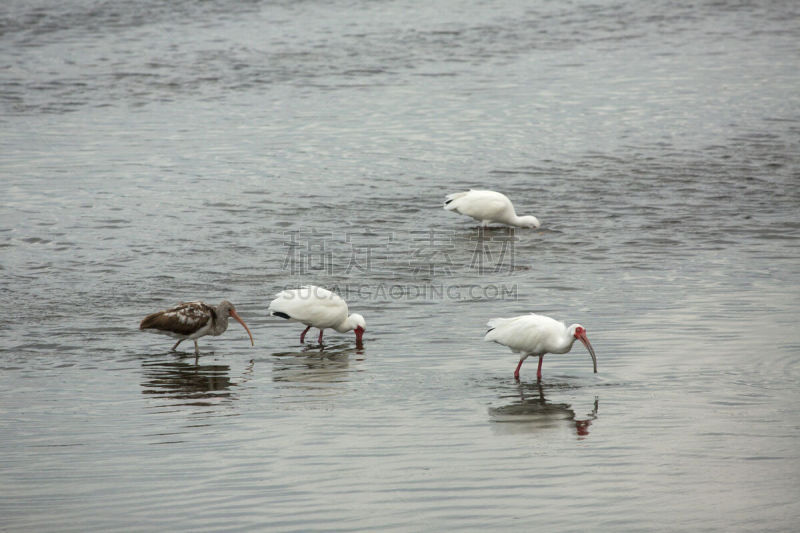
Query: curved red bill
(585, 341)
(239, 319)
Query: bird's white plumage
(317, 307)
(487, 207)
(536, 335)
(530, 334)
(313, 306)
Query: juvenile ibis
(536, 335)
(487, 207)
(192, 320)
(319, 308)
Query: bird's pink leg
(196, 348)
(176, 345)
(516, 372)
(539, 370)
(320, 336)
(303, 335)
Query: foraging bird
(536, 335)
(317, 307)
(488, 206)
(192, 320)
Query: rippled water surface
(157, 152)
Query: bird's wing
(311, 305)
(481, 205)
(526, 333)
(183, 319)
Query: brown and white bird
(537, 335)
(192, 320)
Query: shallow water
(156, 153)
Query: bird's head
(529, 221)
(230, 310)
(579, 332)
(359, 326)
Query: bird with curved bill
(193, 320)
(319, 308)
(537, 335)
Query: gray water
(158, 152)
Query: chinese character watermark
(420, 260)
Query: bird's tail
(150, 320)
(448, 200)
(495, 322)
(282, 305)
(492, 324)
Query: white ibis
(536, 335)
(317, 307)
(488, 206)
(192, 320)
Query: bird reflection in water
(193, 384)
(316, 364)
(533, 413)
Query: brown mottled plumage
(183, 319)
(192, 320)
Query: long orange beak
(582, 337)
(239, 319)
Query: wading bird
(192, 320)
(536, 335)
(319, 308)
(487, 207)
